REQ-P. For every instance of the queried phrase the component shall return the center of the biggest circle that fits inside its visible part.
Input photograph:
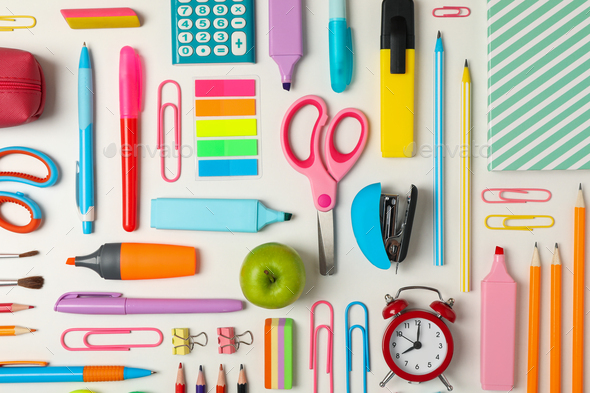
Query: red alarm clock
(417, 344)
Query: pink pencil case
(22, 88)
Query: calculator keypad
(212, 31)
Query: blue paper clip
(365, 332)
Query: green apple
(272, 276)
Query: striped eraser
(100, 18)
(278, 353)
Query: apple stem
(270, 276)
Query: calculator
(213, 31)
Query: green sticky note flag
(227, 147)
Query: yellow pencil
(532, 384)
(555, 334)
(578, 329)
(14, 330)
(466, 180)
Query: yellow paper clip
(508, 217)
(13, 18)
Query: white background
(58, 48)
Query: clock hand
(418, 335)
(408, 350)
(407, 339)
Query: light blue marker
(85, 167)
(340, 41)
(439, 57)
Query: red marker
(130, 106)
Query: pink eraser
(100, 18)
(498, 327)
(225, 88)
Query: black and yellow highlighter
(397, 78)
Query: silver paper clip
(365, 333)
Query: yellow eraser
(100, 18)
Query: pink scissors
(324, 178)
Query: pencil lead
(201, 368)
(221, 367)
(556, 245)
(438, 35)
(580, 187)
(180, 365)
(466, 65)
(535, 244)
(28, 254)
(241, 367)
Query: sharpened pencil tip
(180, 365)
(535, 244)
(200, 368)
(580, 187)
(221, 367)
(556, 245)
(241, 367)
(438, 35)
(466, 64)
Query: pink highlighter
(498, 326)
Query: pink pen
(286, 42)
(498, 327)
(130, 106)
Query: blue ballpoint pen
(439, 206)
(85, 167)
(340, 40)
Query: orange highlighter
(397, 78)
(139, 261)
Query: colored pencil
(534, 319)
(13, 307)
(15, 330)
(180, 381)
(438, 209)
(242, 381)
(221, 388)
(578, 329)
(555, 334)
(201, 384)
(465, 180)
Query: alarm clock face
(419, 346)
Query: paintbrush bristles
(28, 254)
(34, 282)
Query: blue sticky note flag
(213, 168)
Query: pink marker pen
(498, 327)
(285, 36)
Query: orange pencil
(180, 381)
(14, 330)
(578, 329)
(534, 319)
(221, 380)
(555, 341)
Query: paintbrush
(33, 282)
(23, 255)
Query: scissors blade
(326, 242)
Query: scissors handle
(338, 163)
(36, 181)
(20, 199)
(323, 186)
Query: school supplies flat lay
(537, 107)
(212, 256)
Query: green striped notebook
(538, 85)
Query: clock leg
(445, 382)
(387, 378)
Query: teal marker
(220, 215)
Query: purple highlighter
(112, 303)
(286, 40)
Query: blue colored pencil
(85, 183)
(438, 152)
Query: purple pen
(112, 303)
(286, 40)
